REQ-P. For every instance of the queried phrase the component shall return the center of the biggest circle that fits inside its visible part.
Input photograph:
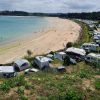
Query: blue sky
(51, 5)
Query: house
(60, 55)
(76, 53)
(7, 71)
(21, 64)
(93, 59)
(90, 47)
(42, 62)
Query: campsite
(74, 69)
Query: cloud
(51, 5)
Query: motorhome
(60, 55)
(7, 71)
(90, 47)
(76, 53)
(93, 59)
(21, 64)
(42, 62)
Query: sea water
(14, 27)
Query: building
(7, 71)
(21, 64)
(60, 55)
(42, 62)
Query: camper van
(93, 59)
(60, 55)
(42, 62)
(76, 53)
(21, 64)
(90, 47)
(7, 71)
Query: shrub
(22, 97)
(20, 81)
(29, 52)
(71, 94)
(5, 86)
(69, 44)
(83, 74)
(20, 90)
(74, 95)
(67, 60)
(97, 84)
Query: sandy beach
(50, 39)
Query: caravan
(90, 47)
(76, 53)
(42, 62)
(7, 71)
(93, 59)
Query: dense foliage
(88, 15)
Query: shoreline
(50, 39)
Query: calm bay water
(12, 28)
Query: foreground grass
(79, 82)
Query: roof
(43, 59)
(21, 61)
(7, 69)
(91, 44)
(76, 50)
(62, 53)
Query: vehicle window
(25, 64)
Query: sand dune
(52, 38)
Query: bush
(5, 86)
(74, 95)
(71, 94)
(83, 74)
(22, 97)
(29, 52)
(19, 81)
(20, 90)
(97, 84)
(69, 44)
(67, 60)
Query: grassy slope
(80, 82)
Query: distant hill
(89, 15)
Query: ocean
(14, 27)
